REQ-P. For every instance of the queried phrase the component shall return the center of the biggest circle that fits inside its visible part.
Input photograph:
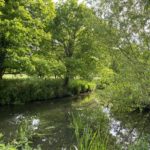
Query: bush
(106, 78)
(80, 86)
(128, 95)
(18, 91)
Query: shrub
(80, 86)
(18, 91)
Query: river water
(50, 123)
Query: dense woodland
(62, 49)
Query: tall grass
(16, 91)
(23, 138)
(91, 129)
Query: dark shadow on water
(49, 119)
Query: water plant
(91, 129)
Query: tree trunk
(2, 59)
(66, 81)
(4, 44)
(1, 74)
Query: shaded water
(128, 128)
(50, 123)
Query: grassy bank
(18, 91)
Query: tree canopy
(76, 41)
(23, 31)
(71, 40)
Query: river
(50, 122)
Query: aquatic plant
(91, 130)
(22, 140)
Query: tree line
(71, 40)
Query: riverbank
(20, 91)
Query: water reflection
(123, 135)
(35, 123)
(50, 122)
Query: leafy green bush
(106, 78)
(80, 86)
(18, 91)
(129, 95)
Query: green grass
(16, 76)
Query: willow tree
(131, 48)
(22, 32)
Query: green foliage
(7, 147)
(106, 78)
(129, 94)
(23, 137)
(75, 41)
(80, 86)
(129, 51)
(140, 144)
(111, 45)
(4, 146)
(130, 88)
(91, 130)
(18, 91)
(23, 32)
